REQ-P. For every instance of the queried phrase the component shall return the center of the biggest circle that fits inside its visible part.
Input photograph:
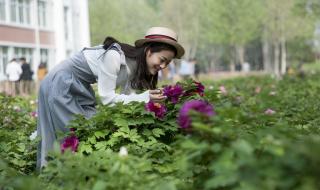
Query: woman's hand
(157, 95)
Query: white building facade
(42, 31)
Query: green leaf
(86, 148)
(101, 134)
(121, 122)
(157, 132)
(100, 145)
(92, 139)
(99, 185)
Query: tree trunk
(283, 56)
(276, 58)
(193, 50)
(240, 53)
(212, 66)
(187, 48)
(266, 56)
(233, 58)
(195, 39)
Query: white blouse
(111, 71)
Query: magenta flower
(198, 88)
(269, 112)
(158, 109)
(173, 92)
(200, 106)
(70, 142)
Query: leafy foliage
(17, 122)
(241, 147)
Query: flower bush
(241, 138)
(16, 125)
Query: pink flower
(269, 112)
(223, 90)
(257, 90)
(34, 114)
(200, 106)
(158, 109)
(173, 92)
(70, 142)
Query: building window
(3, 10)
(66, 22)
(27, 12)
(44, 56)
(20, 11)
(13, 10)
(42, 10)
(4, 60)
(24, 52)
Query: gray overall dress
(64, 92)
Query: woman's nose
(163, 65)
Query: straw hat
(163, 35)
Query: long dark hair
(142, 78)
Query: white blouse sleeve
(107, 78)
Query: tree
(232, 23)
(125, 20)
(183, 16)
(285, 20)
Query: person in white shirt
(66, 90)
(186, 69)
(246, 67)
(13, 72)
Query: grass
(312, 67)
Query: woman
(67, 91)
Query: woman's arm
(107, 77)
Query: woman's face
(158, 60)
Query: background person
(25, 77)
(13, 71)
(186, 69)
(41, 73)
(196, 68)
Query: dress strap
(114, 46)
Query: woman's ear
(148, 52)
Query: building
(45, 31)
